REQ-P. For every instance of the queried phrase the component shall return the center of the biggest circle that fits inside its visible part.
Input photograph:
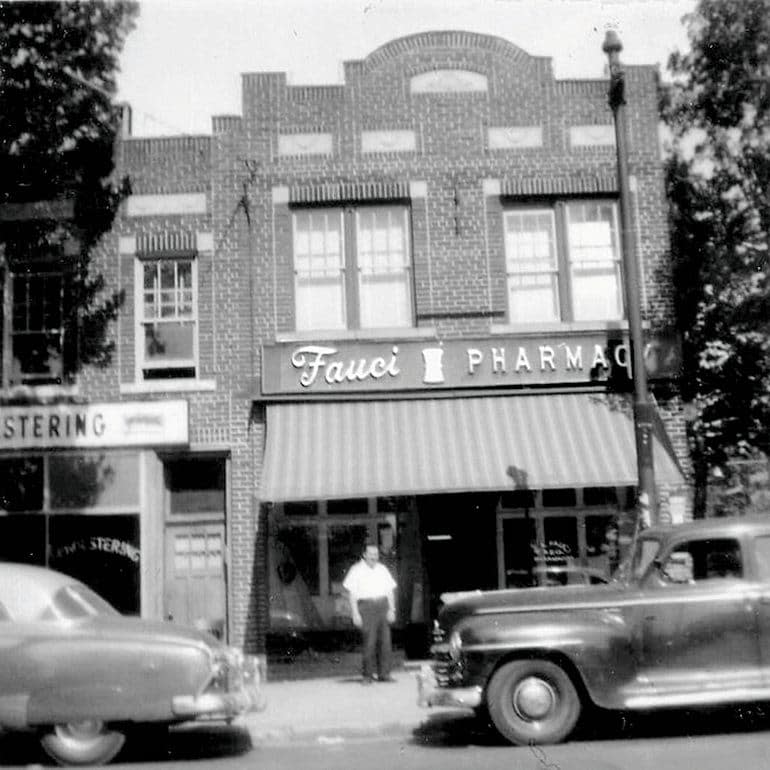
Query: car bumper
(250, 696)
(430, 694)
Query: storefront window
(559, 498)
(600, 496)
(602, 542)
(518, 542)
(298, 554)
(303, 508)
(22, 484)
(102, 552)
(346, 544)
(22, 538)
(196, 485)
(560, 543)
(358, 506)
(94, 480)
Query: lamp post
(643, 411)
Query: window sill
(559, 327)
(394, 334)
(168, 386)
(38, 392)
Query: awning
(333, 450)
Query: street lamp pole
(643, 410)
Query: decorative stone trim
(305, 144)
(168, 241)
(340, 191)
(592, 136)
(448, 81)
(418, 189)
(127, 244)
(204, 241)
(560, 185)
(280, 195)
(388, 141)
(514, 137)
(175, 203)
(490, 187)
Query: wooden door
(195, 586)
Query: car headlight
(455, 645)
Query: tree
(58, 126)
(717, 108)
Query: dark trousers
(376, 637)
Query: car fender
(113, 680)
(595, 644)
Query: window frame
(565, 272)
(143, 364)
(66, 333)
(349, 216)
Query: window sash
(532, 270)
(167, 308)
(37, 327)
(352, 268)
(563, 262)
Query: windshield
(637, 561)
(78, 601)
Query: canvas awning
(332, 450)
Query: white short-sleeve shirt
(365, 582)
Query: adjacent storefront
(78, 492)
(471, 461)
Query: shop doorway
(195, 579)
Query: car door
(697, 624)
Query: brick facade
(454, 124)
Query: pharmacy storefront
(471, 461)
(79, 493)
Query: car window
(710, 559)
(76, 601)
(762, 551)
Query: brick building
(391, 308)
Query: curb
(331, 734)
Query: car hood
(530, 599)
(156, 630)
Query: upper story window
(39, 337)
(353, 268)
(563, 262)
(167, 313)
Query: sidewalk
(331, 709)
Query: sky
(183, 61)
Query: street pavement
(334, 708)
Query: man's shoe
(367, 680)
(386, 679)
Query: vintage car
(82, 676)
(686, 623)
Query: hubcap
(533, 698)
(87, 730)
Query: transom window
(38, 327)
(352, 268)
(563, 262)
(167, 345)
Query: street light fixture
(643, 409)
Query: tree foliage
(717, 108)
(58, 126)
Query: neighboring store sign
(346, 366)
(135, 423)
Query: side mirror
(678, 568)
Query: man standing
(371, 590)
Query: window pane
(383, 266)
(385, 301)
(320, 303)
(298, 551)
(92, 480)
(319, 268)
(171, 341)
(22, 484)
(530, 249)
(346, 545)
(196, 485)
(594, 255)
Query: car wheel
(88, 742)
(533, 701)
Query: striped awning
(334, 450)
